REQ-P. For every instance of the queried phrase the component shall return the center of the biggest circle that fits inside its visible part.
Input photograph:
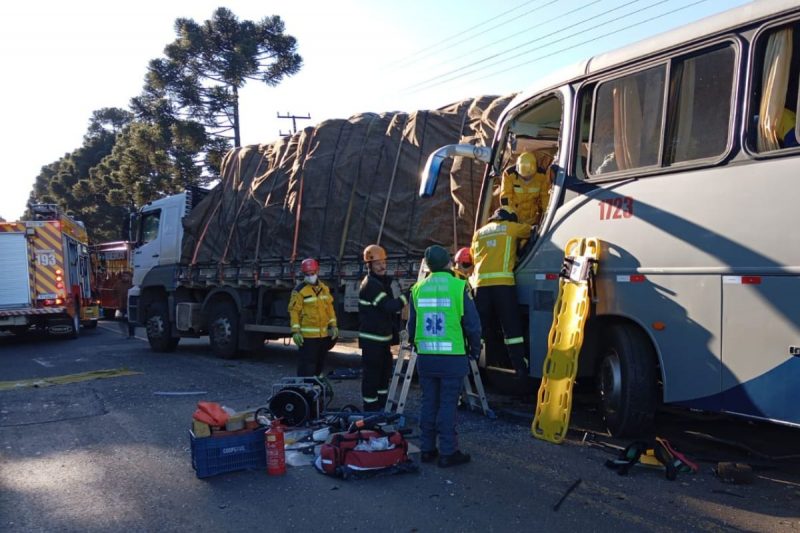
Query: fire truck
(111, 275)
(45, 274)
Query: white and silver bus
(680, 154)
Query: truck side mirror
(430, 173)
(133, 228)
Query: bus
(680, 154)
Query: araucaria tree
(208, 63)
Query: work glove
(298, 339)
(333, 331)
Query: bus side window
(776, 102)
(582, 150)
(699, 108)
(627, 122)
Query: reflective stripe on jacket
(439, 303)
(494, 252)
(311, 310)
(378, 309)
(528, 198)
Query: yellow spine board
(554, 403)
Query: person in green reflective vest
(444, 327)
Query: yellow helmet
(526, 164)
(373, 252)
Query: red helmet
(309, 266)
(463, 256)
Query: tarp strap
(411, 219)
(203, 233)
(300, 200)
(331, 175)
(356, 182)
(391, 183)
(455, 205)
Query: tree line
(175, 133)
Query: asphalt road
(113, 454)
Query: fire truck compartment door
(15, 287)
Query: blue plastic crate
(216, 455)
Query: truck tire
(158, 328)
(223, 330)
(626, 380)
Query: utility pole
(294, 122)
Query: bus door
(537, 127)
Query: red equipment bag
(340, 457)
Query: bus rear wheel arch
(626, 377)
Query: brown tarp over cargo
(330, 190)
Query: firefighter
(462, 264)
(378, 310)
(525, 188)
(313, 320)
(441, 315)
(494, 251)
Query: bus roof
(720, 23)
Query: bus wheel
(223, 329)
(626, 380)
(158, 330)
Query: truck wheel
(158, 329)
(223, 330)
(626, 380)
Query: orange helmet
(373, 252)
(463, 256)
(309, 266)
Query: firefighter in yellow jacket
(313, 319)
(494, 254)
(525, 189)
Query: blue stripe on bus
(771, 395)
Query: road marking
(42, 362)
(69, 378)
(116, 330)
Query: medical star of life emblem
(434, 324)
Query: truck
(45, 274)
(111, 276)
(224, 262)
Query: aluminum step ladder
(472, 393)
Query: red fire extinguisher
(276, 455)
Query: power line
(462, 32)
(590, 40)
(487, 30)
(465, 54)
(536, 48)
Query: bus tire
(223, 330)
(626, 380)
(158, 328)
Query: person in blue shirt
(443, 326)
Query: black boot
(455, 459)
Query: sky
(68, 59)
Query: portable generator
(298, 400)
